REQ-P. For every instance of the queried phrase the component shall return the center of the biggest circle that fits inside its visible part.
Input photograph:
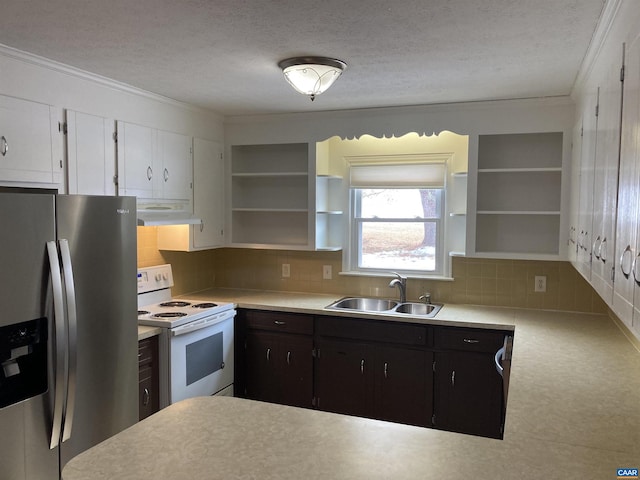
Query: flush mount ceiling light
(311, 75)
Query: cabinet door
(344, 378)
(91, 154)
(587, 165)
(628, 191)
(468, 394)
(208, 193)
(136, 166)
(606, 183)
(175, 179)
(26, 142)
(296, 374)
(261, 366)
(404, 385)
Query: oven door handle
(202, 323)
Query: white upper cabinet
(627, 263)
(30, 143)
(605, 184)
(174, 171)
(91, 158)
(208, 203)
(154, 164)
(137, 162)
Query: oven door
(201, 357)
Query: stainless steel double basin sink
(380, 305)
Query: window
(397, 217)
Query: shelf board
(519, 170)
(517, 212)
(271, 210)
(270, 174)
(329, 249)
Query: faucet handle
(426, 297)
(400, 277)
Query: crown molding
(609, 12)
(30, 58)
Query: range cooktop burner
(169, 314)
(205, 305)
(143, 312)
(175, 303)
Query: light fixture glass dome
(311, 75)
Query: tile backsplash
(496, 282)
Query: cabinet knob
(386, 369)
(149, 173)
(279, 322)
(268, 354)
(362, 366)
(288, 358)
(145, 397)
(453, 378)
(470, 340)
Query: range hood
(156, 212)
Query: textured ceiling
(223, 54)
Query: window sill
(356, 273)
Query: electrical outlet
(540, 283)
(327, 273)
(286, 270)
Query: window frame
(357, 221)
(352, 255)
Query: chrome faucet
(426, 297)
(401, 283)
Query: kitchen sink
(364, 304)
(381, 305)
(418, 308)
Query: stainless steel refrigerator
(68, 328)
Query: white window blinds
(409, 175)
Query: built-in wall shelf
(270, 195)
(519, 187)
(329, 216)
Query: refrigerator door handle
(72, 345)
(60, 352)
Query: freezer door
(101, 235)
(27, 224)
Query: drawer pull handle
(624, 263)
(279, 322)
(386, 369)
(288, 358)
(453, 378)
(145, 397)
(362, 366)
(5, 146)
(268, 354)
(149, 173)
(470, 340)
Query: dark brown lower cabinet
(276, 363)
(148, 378)
(469, 390)
(407, 373)
(279, 368)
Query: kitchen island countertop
(573, 412)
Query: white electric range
(196, 344)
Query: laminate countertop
(573, 412)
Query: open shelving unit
(328, 212)
(270, 195)
(519, 187)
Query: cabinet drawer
(279, 322)
(470, 340)
(146, 351)
(372, 330)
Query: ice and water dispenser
(23, 361)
